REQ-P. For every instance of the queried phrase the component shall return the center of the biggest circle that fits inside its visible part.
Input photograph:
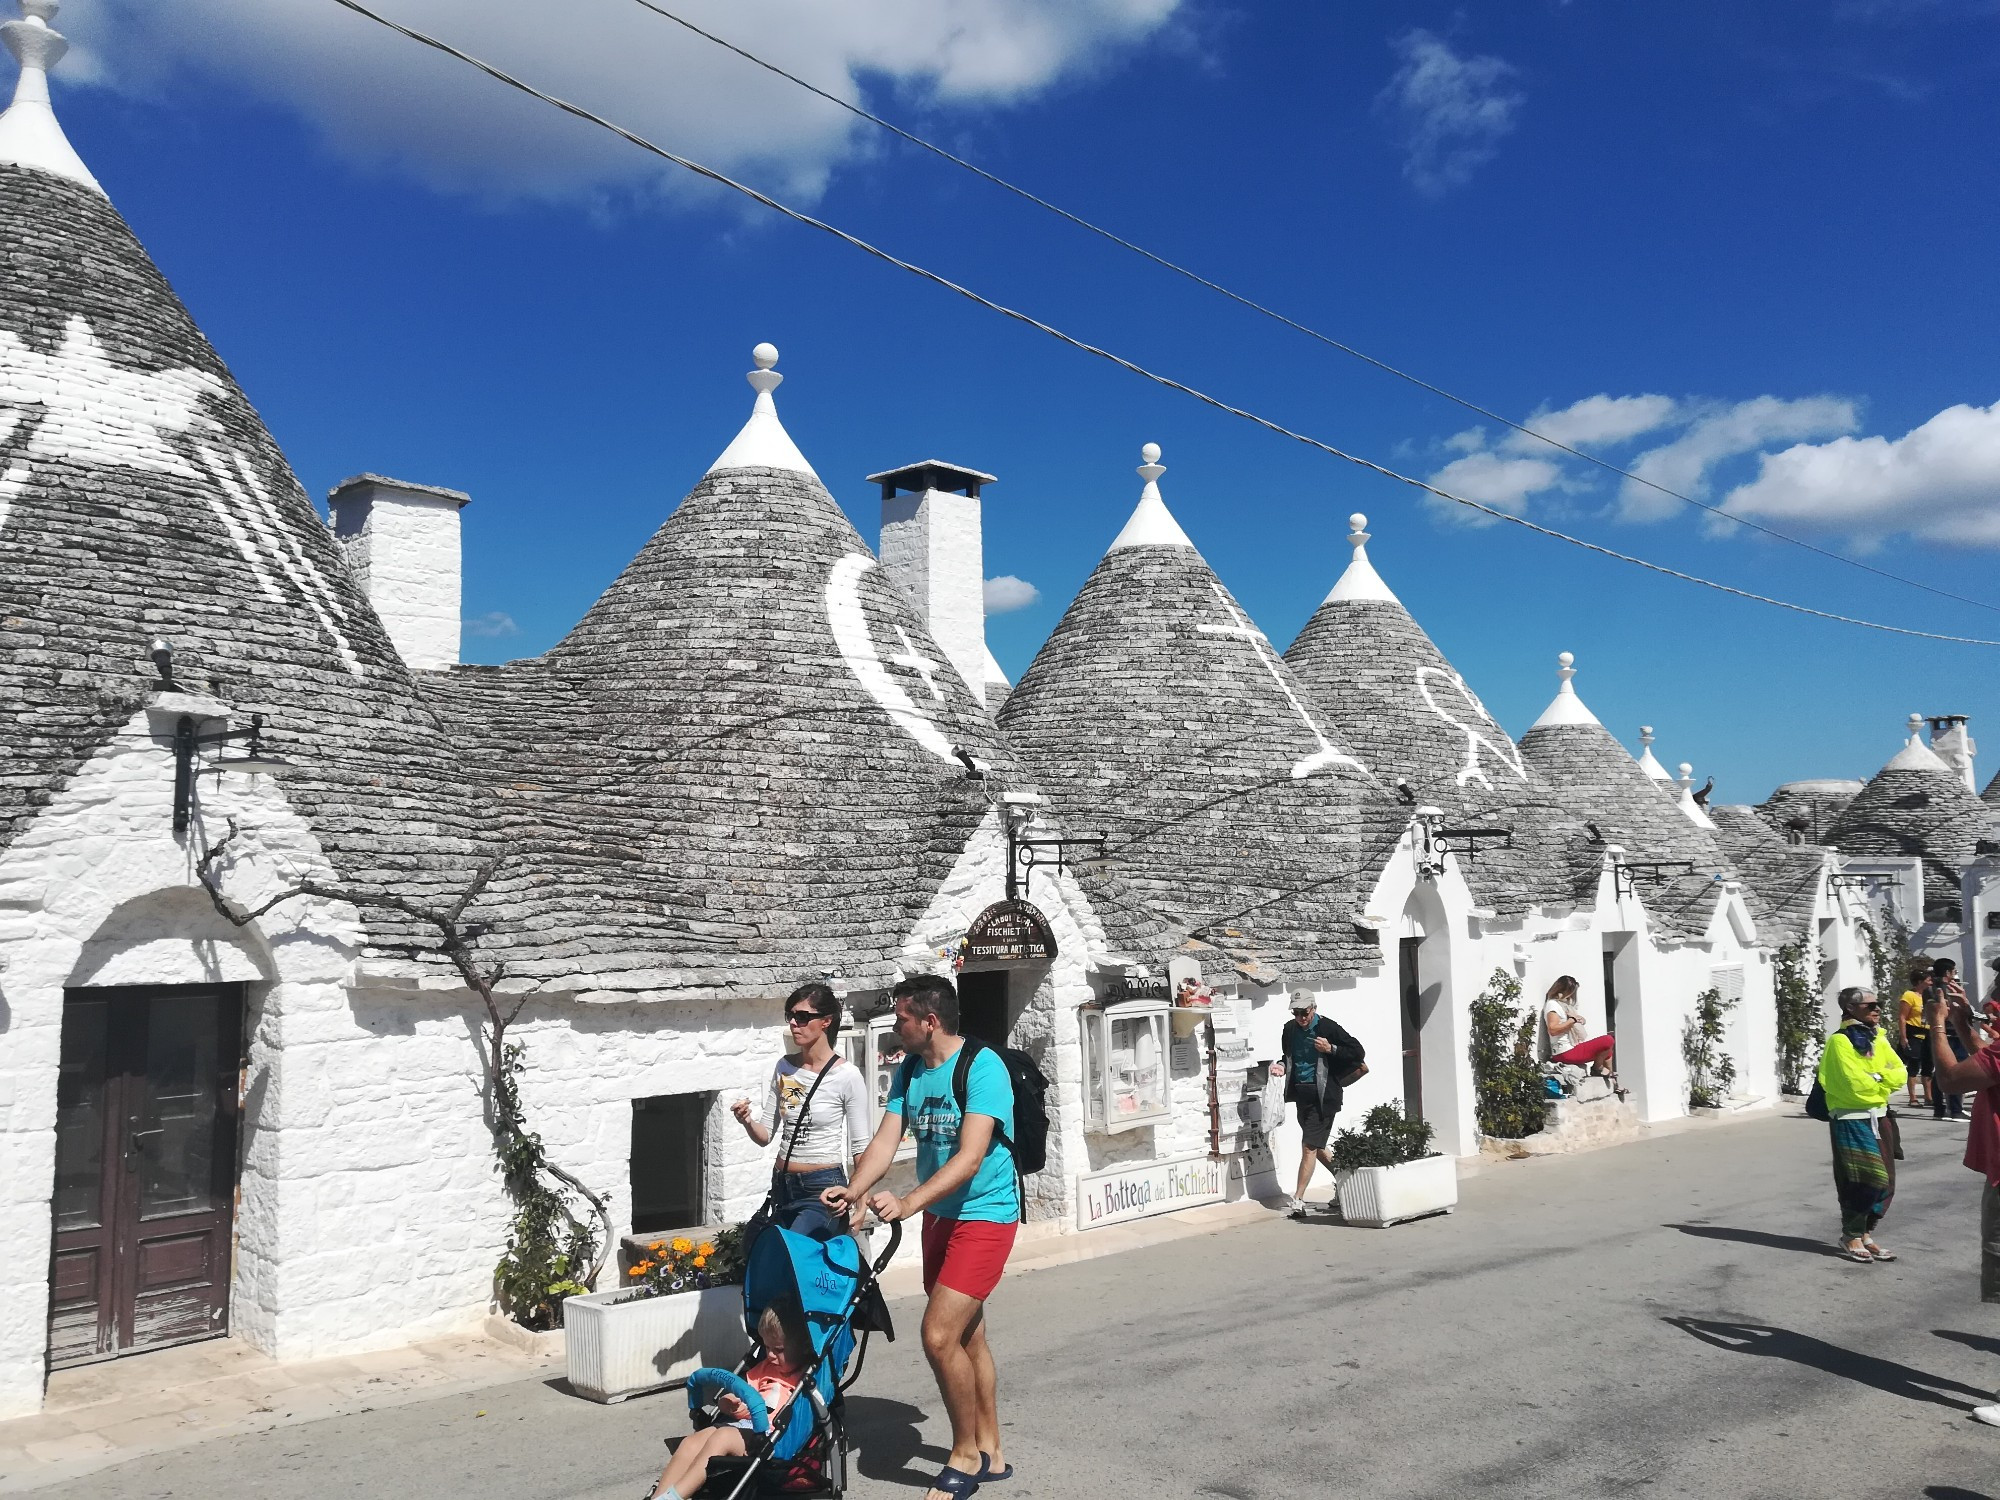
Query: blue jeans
(796, 1205)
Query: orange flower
(638, 1270)
(656, 1247)
(700, 1261)
(681, 1247)
(704, 1249)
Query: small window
(1125, 1066)
(872, 1047)
(669, 1180)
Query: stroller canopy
(823, 1277)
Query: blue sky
(1775, 221)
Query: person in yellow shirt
(1913, 1037)
(1860, 1073)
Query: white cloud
(1722, 432)
(1939, 482)
(1600, 420)
(492, 623)
(1494, 479)
(381, 100)
(1007, 593)
(1450, 111)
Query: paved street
(1660, 1319)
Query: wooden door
(982, 1006)
(145, 1185)
(1413, 1028)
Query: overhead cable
(1310, 332)
(1166, 381)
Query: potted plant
(682, 1309)
(1386, 1171)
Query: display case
(1125, 1078)
(870, 1044)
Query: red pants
(1584, 1053)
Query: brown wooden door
(145, 1185)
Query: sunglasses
(1305, 1010)
(804, 1017)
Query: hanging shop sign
(1139, 1190)
(1009, 932)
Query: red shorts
(966, 1255)
(1585, 1052)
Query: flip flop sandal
(988, 1475)
(1849, 1252)
(956, 1482)
(1878, 1253)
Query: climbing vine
(1889, 957)
(1801, 1024)
(1710, 1070)
(553, 1250)
(1510, 1098)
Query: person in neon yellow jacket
(1860, 1073)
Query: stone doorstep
(1497, 1149)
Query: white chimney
(401, 542)
(931, 545)
(1953, 743)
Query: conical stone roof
(1781, 881)
(1158, 712)
(1372, 669)
(1807, 808)
(1600, 783)
(741, 766)
(141, 497)
(1917, 805)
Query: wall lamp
(257, 757)
(1437, 840)
(1086, 851)
(1625, 873)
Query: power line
(1166, 381)
(1310, 332)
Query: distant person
(1569, 1036)
(816, 1106)
(1981, 1071)
(1319, 1059)
(1913, 1036)
(1947, 1104)
(1860, 1073)
(971, 1198)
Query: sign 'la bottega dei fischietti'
(1009, 932)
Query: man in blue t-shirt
(970, 1195)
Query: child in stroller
(781, 1329)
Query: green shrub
(1801, 1024)
(1388, 1137)
(1710, 1070)
(1507, 1084)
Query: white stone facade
(402, 545)
(931, 544)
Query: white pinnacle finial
(1565, 707)
(1916, 723)
(1695, 811)
(1648, 762)
(1151, 524)
(1360, 581)
(1686, 778)
(29, 133)
(763, 443)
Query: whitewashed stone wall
(931, 544)
(402, 545)
(91, 893)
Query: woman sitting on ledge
(1570, 1041)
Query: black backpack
(1029, 1141)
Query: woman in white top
(816, 1105)
(1569, 1038)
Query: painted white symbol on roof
(856, 642)
(1241, 629)
(1452, 686)
(82, 406)
(917, 662)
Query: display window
(1125, 1065)
(872, 1047)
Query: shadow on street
(1790, 1242)
(1802, 1349)
(1977, 1341)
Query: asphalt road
(1660, 1319)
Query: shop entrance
(982, 1006)
(145, 1184)
(1413, 1021)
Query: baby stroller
(803, 1450)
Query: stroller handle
(895, 1239)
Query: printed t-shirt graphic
(930, 1113)
(1305, 1056)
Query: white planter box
(621, 1343)
(1380, 1196)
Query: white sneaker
(1297, 1209)
(1990, 1415)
